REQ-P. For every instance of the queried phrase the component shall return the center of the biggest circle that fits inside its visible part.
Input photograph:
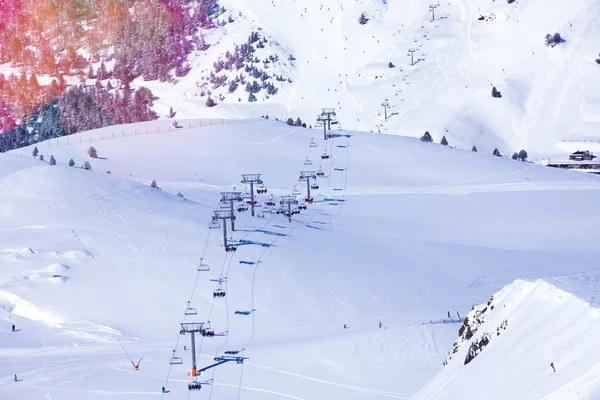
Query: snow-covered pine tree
(444, 141)
(92, 152)
(474, 149)
(426, 137)
(71, 162)
(86, 166)
(52, 160)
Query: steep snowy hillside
(549, 94)
(401, 233)
(537, 342)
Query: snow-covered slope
(401, 232)
(549, 94)
(532, 326)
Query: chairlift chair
(312, 143)
(308, 200)
(194, 386)
(214, 224)
(325, 156)
(219, 292)
(262, 189)
(175, 360)
(202, 266)
(296, 192)
(230, 249)
(190, 311)
(307, 161)
(314, 186)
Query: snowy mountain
(401, 235)
(549, 94)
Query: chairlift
(194, 385)
(307, 161)
(242, 209)
(308, 200)
(219, 292)
(214, 224)
(261, 189)
(230, 249)
(269, 203)
(302, 207)
(296, 192)
(190, 311)
(175, 360)
(314, 186)
(320, 172)
(312, 143)
(325, 156)
(202, 266)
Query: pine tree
(251, 98)
(298, 122)
(474, 149)
(523, 155)
(35, 151)
(71, 162)
(41, 157)
(444, 141)
(210, 102)
(154, 185)
(515, 156)
(87, 166)
(290, 121)
(171, 113)
(92, 152)
(52, 160)
(363, 19)
(426, 137)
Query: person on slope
(16, 380)
(13, 327)
(163, 390)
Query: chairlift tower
(224, 215)
(385, 106)
(432, 7)
(325, 119)
(288, 201)
(307, 176)
(412, 59)
(192, 328)
(251, 179)
(231, 197)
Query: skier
(184, 347)
(344, 328)
(551, 364)
(380, 324)
(13, 328)
(449, 314)
(16, 380)
(163, 389)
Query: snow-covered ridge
(546, 325)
